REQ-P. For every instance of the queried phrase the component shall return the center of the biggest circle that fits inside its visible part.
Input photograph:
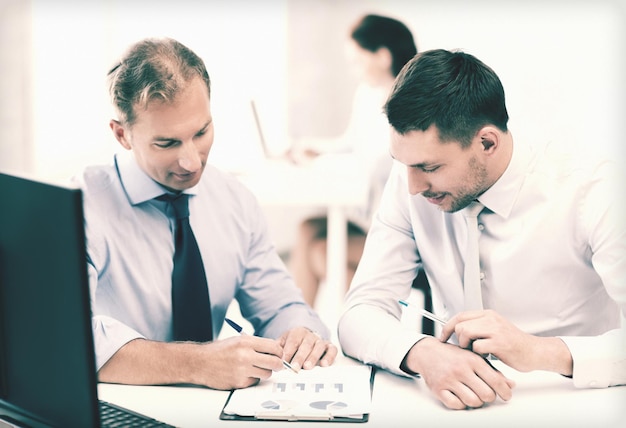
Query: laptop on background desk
(47, 359)
(291, 158)
(268, 153)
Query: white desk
(336, 183)
(541, 399)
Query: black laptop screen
(47, 362)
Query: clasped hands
(460, 376)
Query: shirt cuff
(599, 361)
(109, 336)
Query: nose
(417, 181)
(189, 157)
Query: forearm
(144, 362)
(373, 336)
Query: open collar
(501, 197)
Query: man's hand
(236, 362)
(232, 363)
(459, 378)
(304, 349)
(486, 332)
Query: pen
(239, 330)
(435, 318)
(424, 313)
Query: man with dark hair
(546, 289)
(172, 242)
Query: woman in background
(378, 48)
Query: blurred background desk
(541, 399)
(333, 183)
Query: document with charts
(335, 393)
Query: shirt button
(482, 276)
(481, 227)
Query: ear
(120, 133)
(489, 138)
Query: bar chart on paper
(320, 393)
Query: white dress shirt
(552, 256)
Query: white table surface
(540, 399)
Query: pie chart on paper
(328, 405)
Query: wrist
(552, 354)
(411, 362)
(191, 360)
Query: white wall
(561, 62)
(76, 43)
(16, 148)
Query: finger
(329, 355)
(511, 383)
(499, 384)
(316, 354)
(306, 348)
(463, 336)
(260, 373)
(484, 347)
(459, 318)
(268, 362)
(466, 396)
(469, 332)
(266, 346)
(292, 341)
(448, 328)
(450, 400)
(481, 391)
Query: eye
(204, 130)
(166, 144)
(430, 168)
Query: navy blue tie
(190, 293)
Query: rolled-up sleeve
(109, 334)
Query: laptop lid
(47, 362)
(259, 129)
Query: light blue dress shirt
(130, 244)
(552, 258)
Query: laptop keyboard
(112, 416)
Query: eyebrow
(421, 165)
(166, 139)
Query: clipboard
(315, 395)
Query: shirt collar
(138, 185)
(501, 197)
